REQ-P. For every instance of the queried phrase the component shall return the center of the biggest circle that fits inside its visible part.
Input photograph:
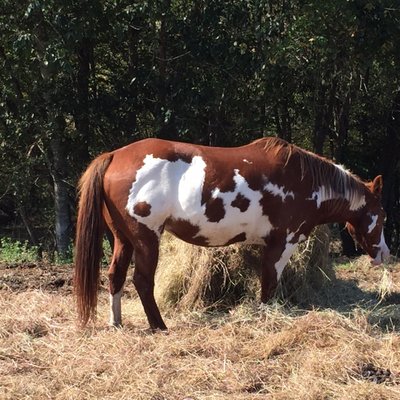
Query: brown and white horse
(268, 192)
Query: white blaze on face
(383, 251)
(286, 254)
(115, 309)
(372, 225)
(174, 190)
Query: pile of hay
(192, 277)
(309, 269)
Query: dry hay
(192, 277)
(247, 354)
(276, 352)
(309, 269)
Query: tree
(78, 78)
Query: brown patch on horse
(270, 203)
(255, 182)
(241, 237)
(214, 180)
(185, 157)
(215, 210)
(185, 229)
(143, 209)
(241, 202)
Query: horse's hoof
(116, 325)
(158, 331)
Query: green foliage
(65, 258)
(107, 252)
(92, 76)
(344, 265)
(12, 251)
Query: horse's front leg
(277, 251)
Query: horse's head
(366, 227)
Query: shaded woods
(81, 77)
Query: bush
(15, 251)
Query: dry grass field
(344, 345)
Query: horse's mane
(333, 179)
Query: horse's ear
(377, 185)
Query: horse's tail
(89, 237)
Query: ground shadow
(346, 297)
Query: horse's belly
(196, 229)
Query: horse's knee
(116, 279)
(119, 266)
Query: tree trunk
(133, 39)
(56, 125)
(390, 168)
(341, 119)
(283, 120)
(166, 122)
(61, 196)
(323, 116)
(342, 127)
(319, 132)
(162, 55)
(82, 113)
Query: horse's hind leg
(122, 256)
(146, 259)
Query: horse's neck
(336, 210)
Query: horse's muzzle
(381, 257)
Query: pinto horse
(268, 192)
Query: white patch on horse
(383, 250)
(302, 238)
(170, 187)
(372, 225)
(115, 309)
(325, 193)
(247, 161)
(356, 202)
(252, 222)
(286, 254)
(278, 190)
(174, 191)
(319, 196)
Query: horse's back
(199, 193)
